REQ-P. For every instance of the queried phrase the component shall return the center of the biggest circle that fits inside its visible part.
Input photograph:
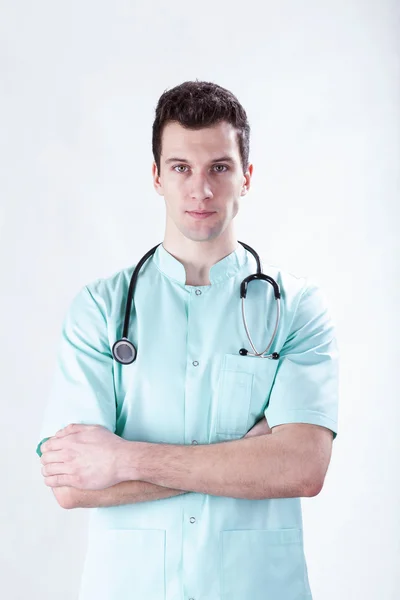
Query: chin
(200, 236)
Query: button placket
(193, 504)
(195, 363)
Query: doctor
(193, 458)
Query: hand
(82, 456)
(260, 428)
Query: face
(200, 171)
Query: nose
(199, 188)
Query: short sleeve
(82, 386)
(306, 384)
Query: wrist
(129, 459)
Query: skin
(291, 462)
(199, 184)
(87, 465)
(89, 456)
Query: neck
(199, 257)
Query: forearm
(126, 492)
(267, 466)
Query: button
(195, 363)
(192, 520)
(195, 442)
(198, 292)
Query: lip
(200, 214)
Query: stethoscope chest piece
(124, 351)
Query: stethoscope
(125, 352)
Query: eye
(226, 168)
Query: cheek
(174, 192)
(172, 200)
(174, 182)
(234, 208)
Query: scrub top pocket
(263, 565)
(233, 404)
(124, 564)
(243, 391)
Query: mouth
(200, 214)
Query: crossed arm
(290, 460)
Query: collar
(222, 270)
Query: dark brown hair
(198, 104)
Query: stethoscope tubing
(125, 352)
(261, 354)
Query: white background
(320, 84)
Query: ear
(156, 179)
(247, 182)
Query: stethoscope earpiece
(244, 352)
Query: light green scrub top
(190, 385)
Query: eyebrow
(222, 159)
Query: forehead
(220, 138)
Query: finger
(75, 428)
(55, 469)
(71, 428)
(60, 480)
(53, 444)
(52, 457)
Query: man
(193, 457)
